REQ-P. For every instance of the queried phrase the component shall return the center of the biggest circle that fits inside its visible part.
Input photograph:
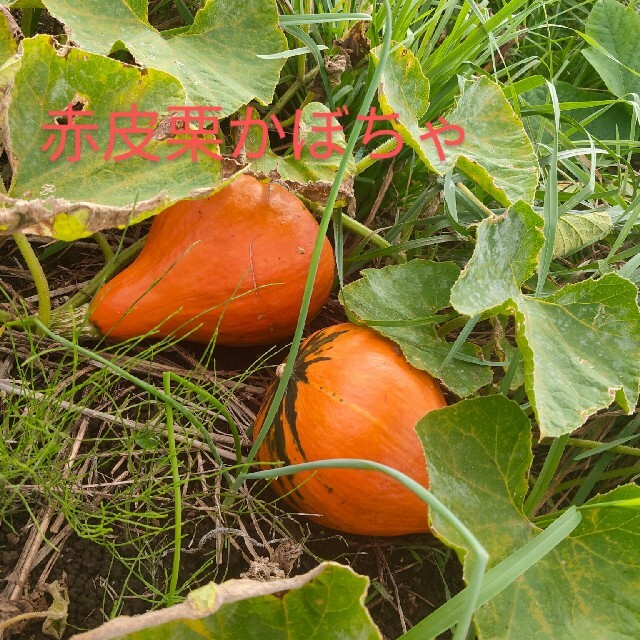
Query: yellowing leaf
(496, 151)
(69, 200)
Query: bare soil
(406, 589)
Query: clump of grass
(79, 440)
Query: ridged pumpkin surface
(236, 261)
(353, 395)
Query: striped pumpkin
(352, 395)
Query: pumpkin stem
(39, 278)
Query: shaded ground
(406, 581)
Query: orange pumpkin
(352, 395)
(235, 262)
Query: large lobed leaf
(478, 454)
(400, 302)
(506, 255)
(22, 4)
(68, 200)
(327, 603)
(616, 29)
(8, 59)
(581, 345)
(496, 151)
(581, 348)
(216, 60)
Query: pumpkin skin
(352, 395)
(236, 261)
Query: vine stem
(177, 498)
(594, 444)
(106, 249)
(474, 199)
(42, 286)
(31, 615)
(481, 556)
(317, 250)
(82, 297)
(353, 225)
(290, 92)
(368, 160)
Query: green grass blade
(460, 340)
(184, 11)
(550, 200)
(546, 474)
(315, 257)
(313, 47)
(143, 385)
(177, 497)
(319, 18)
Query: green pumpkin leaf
(583, 106)
(478, 455)
(577, 230)
(69, 200)
(580, 346)
(581, 350)
(327, 603)
(216, 60)
(140, 8)
(400, 302)
(309, 177)
(506, 256)
(404, 90)
(616, 29)
(496, 151)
